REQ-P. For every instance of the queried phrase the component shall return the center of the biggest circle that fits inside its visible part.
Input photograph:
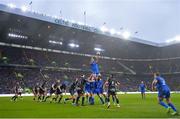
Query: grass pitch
(132, 106)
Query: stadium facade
(30, 42)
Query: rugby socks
(106, 99)
(46, 98)
(14, 98)
(73, 100)
(39, 98)
(60, 99)
(92, 101)
(87, 98)
(172, 106)
(117, 100)
(102, 101)
(67, 99)
(54, 99)
(77, 100)
(43, 97)
(83, 98)
(163, 104)
(113, 99)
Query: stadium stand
(29, 46)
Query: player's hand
(152, 89)
(98, 53)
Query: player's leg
(105, 97)
(78, 97)
(114, 99)
(91, 99)
(160, 100)
(35, 95)
(108, 100)
(39, 97)
(20, 95)
(117, 100)
(50, 94)
(100, 95)
(83, 99)
(43, 96)
(14, 98)
(74, 98)
(170, 104)
(142, 96)
(60, 98)
(54, 98)
(77, 100)
(87, 96)
(47, 97)
(70, 97)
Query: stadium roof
(71, 24)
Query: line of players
(86, 88)
(82, 87)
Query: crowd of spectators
(31, 76)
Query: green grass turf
(131, 106)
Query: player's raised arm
(92, 60)
(153, 83)
(97, 56)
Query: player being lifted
(142, 89)
(111, 82)
(163, 92)
(95, 72)
(94, 65)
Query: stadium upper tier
(43, 58)
(32, 29)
